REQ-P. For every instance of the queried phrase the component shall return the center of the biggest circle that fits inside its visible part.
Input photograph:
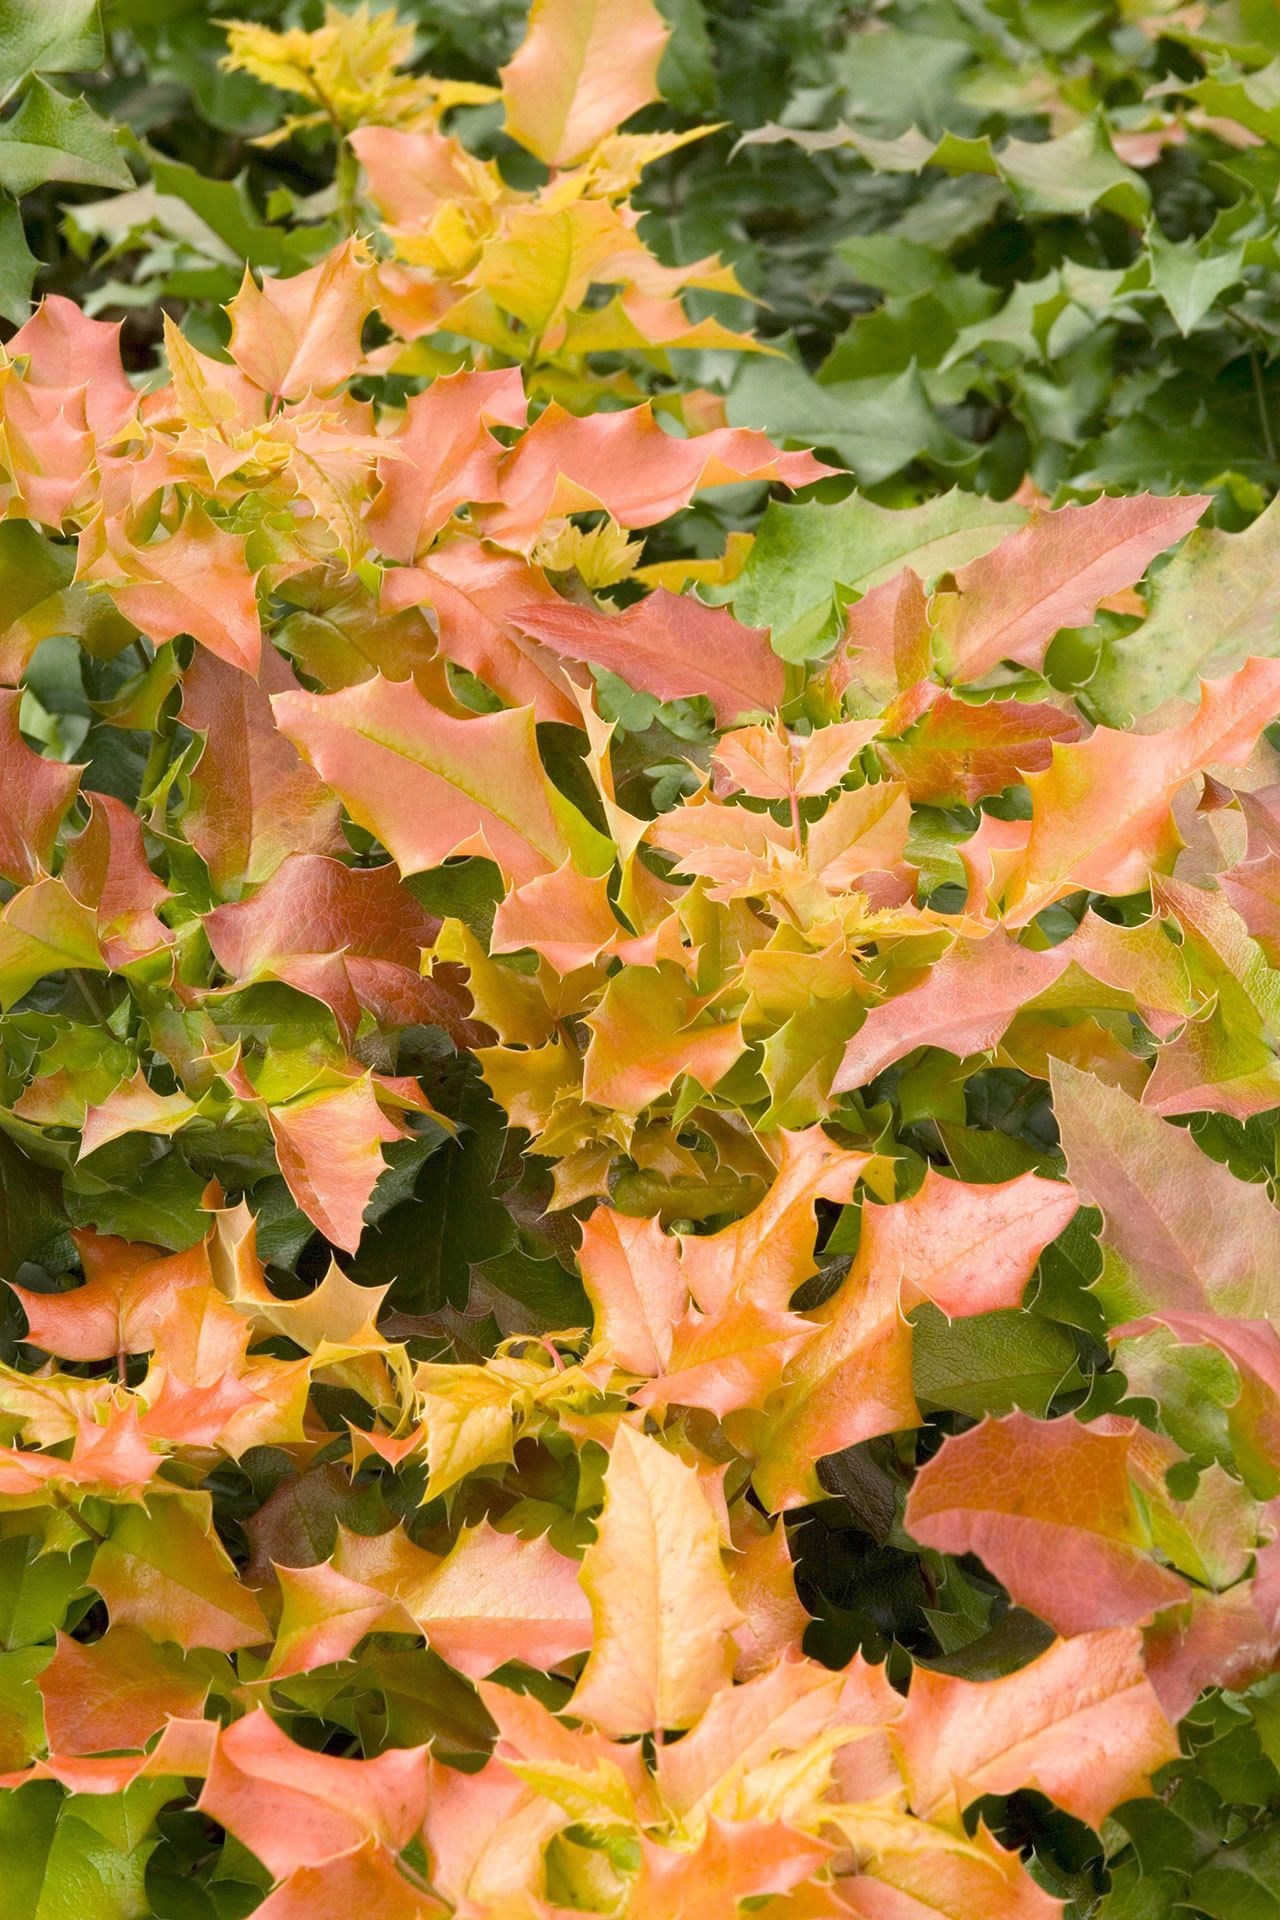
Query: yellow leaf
(660, 1601)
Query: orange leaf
(583, 68)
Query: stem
(89, 995)
(1260, 395)
(61, 1501)
(347, 181)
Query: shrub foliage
(639, 1064)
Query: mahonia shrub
(638, 1180)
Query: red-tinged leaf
(885, 647)
(134, 1107)
(964, 1003)
(772, 764)
(670, 645)
(113, 1456)
(116, 1692)
(447, 458)
(193, 580)
(366, 1882)
(474, 592)
(781, 1711)
(492, 1598)
(34, 796)
(648, 1030)
(182, 1752)
(1081, 1724)
(329, 1147)
(106, 867)
(65, 349)
(430, 786)
(762, 1583)
(352, 937)
(626, 465)
(1051, 1508)
(164, 1570)
(1009, 603)
(631, 1271)
(253, 798)
(956, 753)
(968, 1249)
(660, 1602)
(564, 917)
(1180, 1230)
(733, 1860)
(301, 335)
(583, 68)
(126, 1291)
(725, 1361)
(1100, 812)
(1217, 1639)
(766, 1255)
(297, 1808)
(323, 1618)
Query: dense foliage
(639, 1065)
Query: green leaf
(53, 138)
(1242, 1882)
(991, 1363)
(1215, 603)
(36, 1589)
(50, 36)
(1189, 281)
(875, 426)
(803, 553)
(17, 271)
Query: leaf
(625, 464)
(44, 929)
(494, 1597)
(1067, 1517)
(447, 457)
(197, 580)
(351, 937)
(669, 645)
(301, 335)
(125, 1292)
(803, 553)
(1216, 602)
(329, 1146)
(660, 1604)
(1179, 1230)
(295, 1808)
(35, 793)
(18, 272)
(430, 786)
(365, 1881)
(62, 38)
(583, 68)
(1080, 1724)
(1100, 813)
(163, 1570)
(967, 1249)
(116, 1692)
(957, 753)
(53, 138)
(1009, 603)
(252, 797)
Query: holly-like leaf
(669, 645)
(1052, 573)
(583, 68)
(252, 798)
(968, 1249)
(660, 1604)
(431, 786)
